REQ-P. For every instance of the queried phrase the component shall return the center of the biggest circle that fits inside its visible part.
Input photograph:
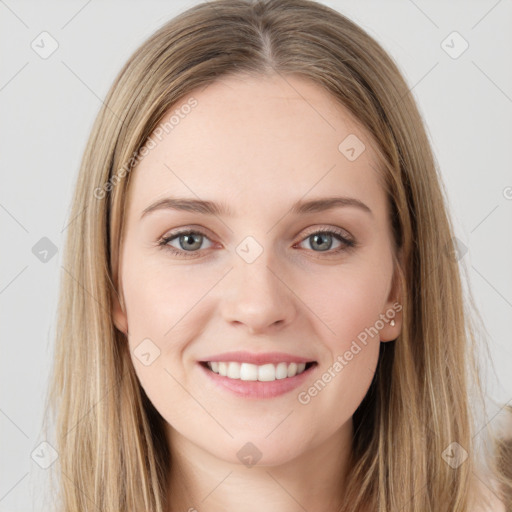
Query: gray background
(47, 110)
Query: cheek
(167, 309)
(348, 300)
(158, 296)
(160, 305)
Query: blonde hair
(113, 454)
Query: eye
(322, 240)
(187, 241)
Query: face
(273, 268)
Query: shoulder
(485, 489)
(487, 500)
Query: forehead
(257, 139)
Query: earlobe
(392, 320)
(119, 316)
(392, 316)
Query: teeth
(233, 371)
(223, 369)
(263, 373)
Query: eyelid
(328, 229)
(169, 235)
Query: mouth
(257, 382)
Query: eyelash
(348, 243)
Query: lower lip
(256, 389)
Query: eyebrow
(222, 209)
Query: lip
(255, 358)
(255, 389)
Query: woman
(262, 307)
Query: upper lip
(258, 358)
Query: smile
(271, 380)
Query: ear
(119, 315)
(393, 307)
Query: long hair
(112, 449)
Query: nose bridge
(256, 296)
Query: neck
(313, 480)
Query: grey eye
(322, 241)
(189, 241)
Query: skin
(257, 145)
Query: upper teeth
(265, 372)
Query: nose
(257, 297)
